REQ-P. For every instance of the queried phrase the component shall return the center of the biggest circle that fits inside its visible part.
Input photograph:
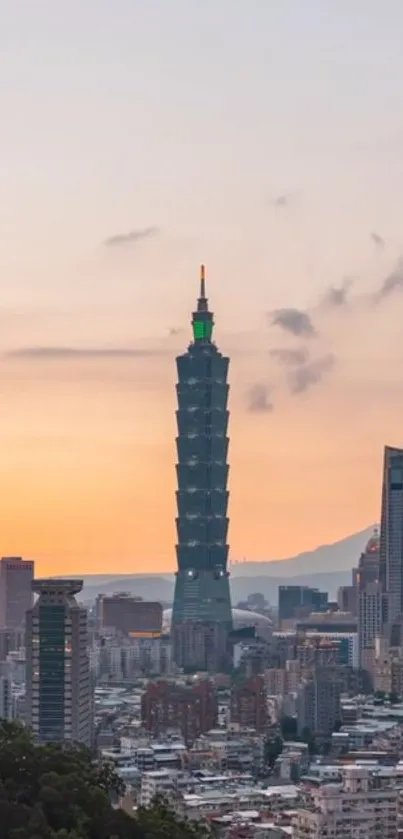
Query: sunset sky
(139, 138)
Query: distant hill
(326, 567)
(341, 556)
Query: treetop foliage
(60, 792)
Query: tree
(60, 792)
(289, 728)
(272, 749)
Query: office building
(189, 709)
(299, 601)
(347, 599)
(391, 538)
(16, 577)
(129, 615)
(58, 689)
(201, 618)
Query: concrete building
(370, 603)
(58, 688)
(364, 805)
(129, 615)
(16, 577)
(318, 703)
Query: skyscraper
(370, 598)
(16, 577)
(58, 690)
(391, 537)
(201, 619)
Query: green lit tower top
(202, 319)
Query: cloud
(120, 239)
(281, 201)
(392, 283)
(378, 240)
(259, 400)
(290, 357)
(308, 375)
(337, 296)
(65, 353)
(294, 321)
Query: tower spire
(202, 282)
(202, 319)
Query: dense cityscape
(253, 719)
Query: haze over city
(138, 140)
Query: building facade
(391, 537)
(362, 805)
(192, 710)
(129, 615)
(201, 618)
(16, 577)
(58, 687)
(249, 704)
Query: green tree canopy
(60, 792)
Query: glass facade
(202, 584)
(391, 536)
(51, 693)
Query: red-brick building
(192, 709)
(249, 704)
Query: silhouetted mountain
(342, 555)
(327, 568)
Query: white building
(363, 806)
(157, 783)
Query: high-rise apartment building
(391, 539)
(58, 688)
(16, 577)
(249, 704)
(318, 702)
(202, 618)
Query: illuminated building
(201, 618)
(58, 689)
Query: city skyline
(274, 158)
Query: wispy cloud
(392, 283)
(290, 357)
(259, 399)
(121, 239)
(303, 378)
(294, 321)
(65, 353)
(338, 296)
(378, 240)
(282, 201)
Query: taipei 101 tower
(201, 617)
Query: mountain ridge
(326, 567)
